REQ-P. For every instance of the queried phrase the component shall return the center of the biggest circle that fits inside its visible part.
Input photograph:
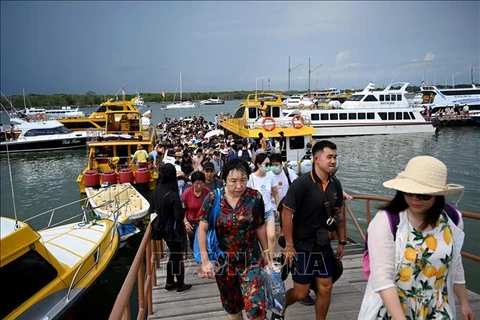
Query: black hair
(276, 157)
(197, 175)
(259, 158)
(260, 135)
(398, 204)
(235, 164)
(322, 144)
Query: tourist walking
(416, 271)
(169, 225)
(241, 231)
(304, 220)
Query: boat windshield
(355, 97)
(47, 131)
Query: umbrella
(213, 133)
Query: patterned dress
(239, 275)
(421, 280)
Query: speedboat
(138, 102)
(437, 100)
(46, 272)
(110, 156)
(212, 101)
(298, 102)
(122, 200)
(41, 136)
(251, 118)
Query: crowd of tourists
(258, 200)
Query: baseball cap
(208, 165)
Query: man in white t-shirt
(280, 177)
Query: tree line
(90, 98)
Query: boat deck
(203, 300)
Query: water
(45, 180)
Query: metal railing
(151, 251)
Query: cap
(208, 166)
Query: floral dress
(421, 281)
(239, 275)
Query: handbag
(332, 223)
(213, 247)
(337, 267)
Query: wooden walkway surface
(203, 300)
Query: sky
(75, 47)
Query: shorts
(269, 215)
(312, 265)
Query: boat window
(393, 97)
(382, 97)
(352, 116)
(62, 130)
(275, 112)
(387, 97)
(398, 115)
(343, 116)
(399, 97)
(252, 113)
(359, 97)
(361, 116)
(370, 115)
(370, 97)
(383, 115)
(460, 92)
(315, 116)
(391, 116)
(324, 116)
(297, 143)
(411, 115)
(24, 277)
(239, 113)
(406, 116)
(356, 97)
(333, 116)
(31, 133)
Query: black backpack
(246, 155)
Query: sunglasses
(423, 197)
(267, 164)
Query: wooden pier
(203, 300)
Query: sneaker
(276, 316)
(170, 287)
(307, 301)
(185, 287)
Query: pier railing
(147, 260)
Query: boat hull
(338, 130)
(26, 145)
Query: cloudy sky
(74, 47)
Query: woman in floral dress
(241, 230)
(415, 274)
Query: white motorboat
(392, 97)
(54, 114)
(122, 200)
(138, 102)
(212, 101)
(42, 136)
(298, 102)
(181, 104)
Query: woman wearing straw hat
(415, 274)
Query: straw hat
(423, 175)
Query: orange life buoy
(294, 121)
(301, 106)
(266, 128)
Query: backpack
(231, 155)
(213, 247)
(245, 155)
(394, 220)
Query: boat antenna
(11, 181)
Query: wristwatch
(343, 243)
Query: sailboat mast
(24, 102)
(181, 87)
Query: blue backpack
(394, 220)
(213, 247)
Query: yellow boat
(251, 118)
(110, 155)
(98, 119)
(46, 272)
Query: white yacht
(212, 101)
(53, 114)
(439, 99)
(182, 105)
(298, 101)
(42, 136)
(139, 102)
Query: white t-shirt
(281, 181)
(264, 185)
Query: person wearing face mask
(262, 180)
